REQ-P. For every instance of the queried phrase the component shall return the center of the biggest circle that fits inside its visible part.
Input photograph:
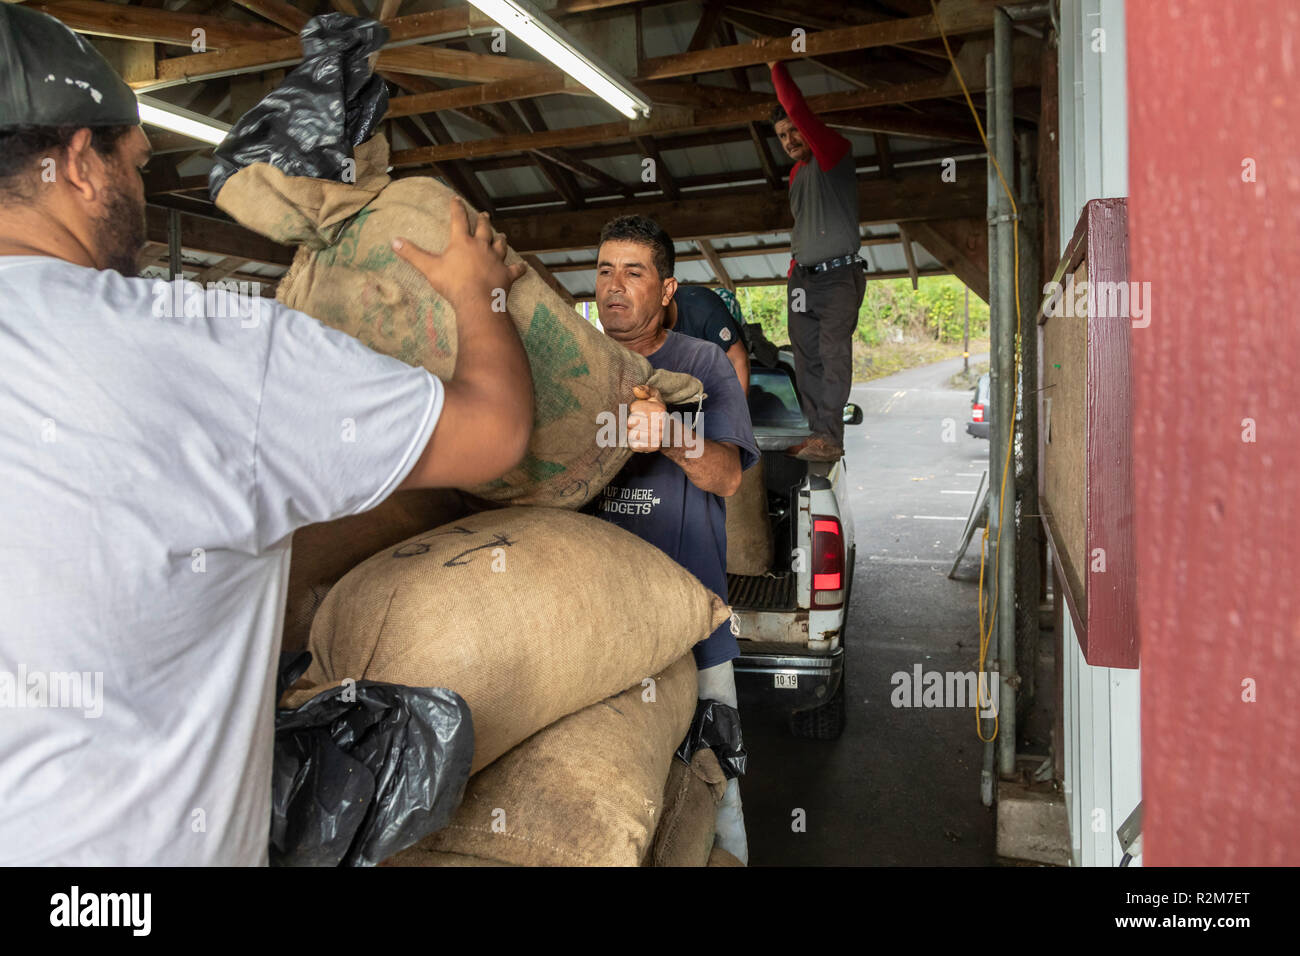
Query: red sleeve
(828, 147)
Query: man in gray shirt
(154, 462)
(826, 281)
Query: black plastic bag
(331, 102)
(716, 726)
(356, 781)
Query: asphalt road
(901, 787)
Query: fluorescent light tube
(157, 113)
(537, 30)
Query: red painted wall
(1218, 518)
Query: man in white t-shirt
(154, 463)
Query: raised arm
(828, 147)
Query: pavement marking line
(928, 562)
(969, 474)
(939, 517)
(890, 404)
(957, 492)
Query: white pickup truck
(792, 617)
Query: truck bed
(773, 591)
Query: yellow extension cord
(986, 635)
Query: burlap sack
(528, 613)
(346, 274)
(421, 855)
(691, 799)
(586, 791)
(749, 531)
(323, 553)
(721, 857)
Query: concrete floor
(902, 786)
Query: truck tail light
(827, 564)
(977, 413)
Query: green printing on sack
(344, 249)
(553, 348)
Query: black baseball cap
(50, 76)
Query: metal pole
(1028, 574)
(991, 662)
(173, 243)
(1005, 395)
(965, 343)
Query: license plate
(787, 681)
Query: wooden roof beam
(663, 175)
(916, 194)
(216, 236)
(279, 12)
(957, 16)
(908, 255)
(1025, 73)
(757, 134)
(545, 275)
(734, 252)
(250, 57)
(719, 270)
(98, 18)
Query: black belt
(835, 263)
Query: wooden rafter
(99, 18)
(1024, 74)
(757, 132)
(961, 245)
(715, 263)
(457, 175)
(216, 236)
(558, 176)
(663, 175)
(704, 31)
(908, 255)
(279, 12)
(223, 267)
(957, 16)
(747, 211)
(545, 275)
(969, 16)
(251, 57)
(733, 252)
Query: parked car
(979, 408)
(792, 618)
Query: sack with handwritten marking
(528, 613)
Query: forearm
(487, 409)
(715, 469)
(492, 368)
(739, 360)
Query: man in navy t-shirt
(701, 313)
(672, 493)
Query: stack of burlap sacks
(568, 637)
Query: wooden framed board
(1085, 408)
